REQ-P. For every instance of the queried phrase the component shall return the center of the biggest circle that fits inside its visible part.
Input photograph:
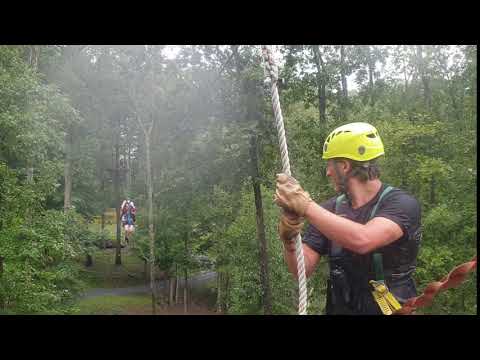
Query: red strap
(452, 280)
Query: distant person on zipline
(128, 212)
(370, 231)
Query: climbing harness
(387, 302)
(273, 73)
(381, 294)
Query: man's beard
(335, 186)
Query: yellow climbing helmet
(357, 141)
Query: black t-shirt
(397, 206)
(399, 257)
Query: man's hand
(290, 195)
(289, 226)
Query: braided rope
(452, 280)
(282, 141)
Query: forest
(187, 133)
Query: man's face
(332, 174)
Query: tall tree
(33, 52)
(322, 79)
(424, 74)
(262, 240)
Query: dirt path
(196, 281)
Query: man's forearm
(345, 232)
(290, 257)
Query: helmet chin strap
(343, 181)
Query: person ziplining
(128, 217)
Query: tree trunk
(262, 241)
(154, 300)
(171, 290)
(473, 86)
(116, 181)
(457, 110)
(322, 107)
(34, 54)
(88, 260)
(321, 84)
(177, 288)
(2, 299)
(145, 268)
(343, 72)
(405, 76)
(30, 173)
(185, 285)
(102, 226)
(222, 295)
(237, 58)
(344, 91)
(371, 70)
(219, 292)
(67, 200)
(432, 191)
(226, 292)
(150, 218)
(185, 292)
(127, 164)
(427, 93)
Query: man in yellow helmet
(370, 231)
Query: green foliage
(236, 250)
(38, 247)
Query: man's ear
(346, 166)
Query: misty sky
(171, 52)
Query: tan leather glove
(290, 195)
(289, 226)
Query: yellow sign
(110, 217)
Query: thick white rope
(282, 140)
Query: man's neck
(362, 193)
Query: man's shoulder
(399, 192)
(401, 196)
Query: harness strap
(377, 257)
(385, 192)
(335, 249)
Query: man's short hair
(364, 170)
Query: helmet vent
(372, 135)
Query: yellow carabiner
(384, 298)
(382, 303)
